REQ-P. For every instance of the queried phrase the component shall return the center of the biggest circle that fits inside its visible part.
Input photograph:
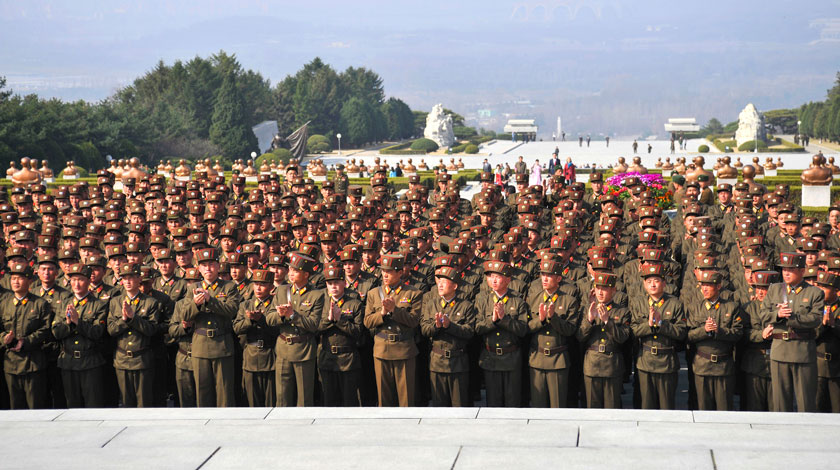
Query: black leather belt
(209, 332)
(713, 357)
(447, 353)
(654, 350)
(391, 337)
(795, 334)
(341, 349)
(294, 339)
(134, 353)
(824, 356)
(259, 344)
(602, 348)
(184, 351)
(502, 351)
(551, 351)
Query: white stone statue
(439, 127)
(750, 125)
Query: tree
(318, 97)
(358, 121)
(419, 123)
(399, 119)
(228, 130)
(363, 83)
(712, 127)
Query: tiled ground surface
(426, 438)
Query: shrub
(471, 149)
(751, 145)
(426, 145)
(320, 147)
(277, 155)
(458, 148)
(504, 136)
(82, 173)
(703, 148)
(317, 143)
(463, 132)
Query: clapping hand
(127, 311)
(784, 310)
(199, 295)
(9, 338)
(653, 317)
(388, 304)
(711, 326)
(767, 331)
(284, 310)
(498, 311)
(72, 315)
(603, 314)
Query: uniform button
(129, 333)
(77, 342)
(654, 336)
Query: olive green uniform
(501, 356)
(394, 346)
(339, 362)
(548, 356)
(656, 361)
(296, 346)
(793, 354)
(257, 339)
(29, 319)
(603, 362)
(714, 361)
(212, 343)
(449, 368)
(182, 338)
(133, 355)
(828, 362)
(755, 360)
(81, 357)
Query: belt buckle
(827, 356)
(547, 351)
(786, 335)
(260, 344)
(393, 337)
(211, 333)
(713, 357)
(189, 353)
(129, 354)
(334, 349)
(77, 354)
(654, 350)
(288, 339)
(500, 351)
(602, 348)
(447, 354)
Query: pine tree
(229, 130)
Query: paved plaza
(422, 438)
(598, 154)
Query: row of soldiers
(206, 293)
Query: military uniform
(548, 358)
(257, 339)
(296, 347)
(339, 362)
(603, 363)
(133, 358)
(656, 361)
(29, 319)
(501, 357)
(755, 360)
(448, 361)
(81, 359)
(394, 345)
(714, 362)
(181, 337)
(212, 342)
(793, 354)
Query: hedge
(703, 148)
(424, 144)
(400, 149)
(471, 149)
(751, 145)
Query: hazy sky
(604, 66)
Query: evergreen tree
(228, 130)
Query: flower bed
(653, 181)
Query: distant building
(485, 113)
(675, 125)
(522, 128)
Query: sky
(604, 67)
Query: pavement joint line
(456, 457)
(113, 437)
(577, 439)
(712, 453)
(208, 458)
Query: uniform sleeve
(812, 317)
(566, 321)
(676, 328)
(116, 326)
(408, 315)
(146, 325)
(59, 327)
(517, 323)
(427, 319)
(696, 327)
(227, 306)
(176, 330)
(310, 319)
(464, 330)
(352, 324)
(734, 330)
(373, 311)
(241, 324)
(618, 330)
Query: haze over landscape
(604, 66)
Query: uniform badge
(805, 300)
(305, 303)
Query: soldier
(553, 317)
(796, 309)
(659, 323)
(828, 346)
(340, 333)
(392, 314)
(79, 325)
(180, 334)
(340, 179)
(449, 323)
(502, 321)
(46, 287)
(211, 306)
(258, 341)
(133, 322)
(296, 315)
(603, 330)
(714, 327)
(25, 329)
(755, 357)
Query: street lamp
(338, 136)
(253, 155)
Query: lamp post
(253, 155)
(798, 132)
(338, 136)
